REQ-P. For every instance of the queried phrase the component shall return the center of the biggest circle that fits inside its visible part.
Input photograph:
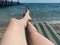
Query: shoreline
(56, 26)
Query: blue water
(38, 11)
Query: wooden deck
(8, 3)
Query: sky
(39, 1)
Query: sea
(38, 11)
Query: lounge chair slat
(48, 34)
(38, 28)
(53, 33)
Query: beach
(3, 26)
(49, 12)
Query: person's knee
(13, 20)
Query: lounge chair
(46, 30)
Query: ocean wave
(54, 22)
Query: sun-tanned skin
(35, 38)
(15, 33)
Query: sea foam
(54, 22)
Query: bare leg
(36, 38)
(15, 33)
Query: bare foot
(27, 14)
(26, 17)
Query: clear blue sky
(39, 1)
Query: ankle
(23, 22)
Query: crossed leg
(36, 38)
(15, 32)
